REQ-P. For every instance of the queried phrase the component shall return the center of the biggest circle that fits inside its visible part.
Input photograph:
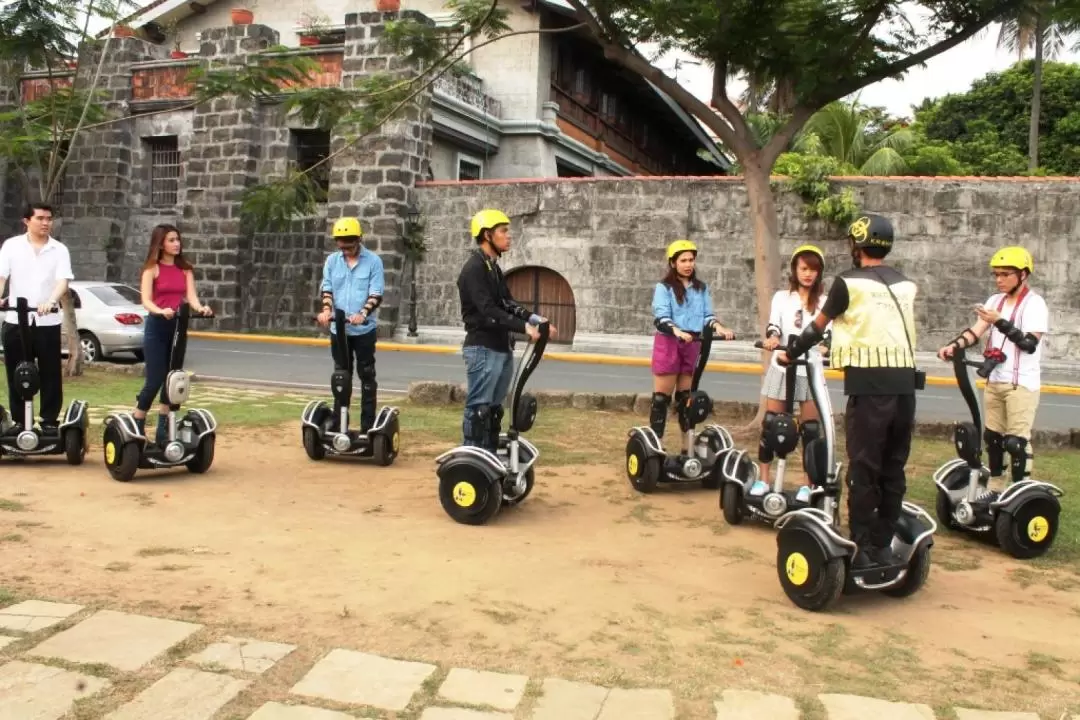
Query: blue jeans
(488, 374)
(157, 346)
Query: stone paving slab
(126, 642)
(753, 705)
(566, 700)
(348, 676)
(33, 615)
(638, 705)
(29, 691)
(441, 713)
(856, 707)
(244, 654)
(6, 640)
(966, 714)
(279, 711)
(183, 694)
(475, 687)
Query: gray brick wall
(607, 239)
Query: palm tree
(1041, 25)
(845, 131)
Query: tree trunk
(766, 253)
(74, 366)
(1036, 93)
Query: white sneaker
(758, 489)
(803, 495)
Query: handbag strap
(903, 318)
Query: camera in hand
(991, 359)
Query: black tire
(732, 503)
(530, 480)
(468, 497)
(121, 459)
(1029, 530)
(204, 455)
(812, 583)
(74, 446)
(943, 508)
(312, 446)
(642, 470)
(385, 447)
(917, 573)
(714, 479)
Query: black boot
(658, 413)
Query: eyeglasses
(1003, 273)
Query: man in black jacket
(490, 316)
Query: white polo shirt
(1031, 316)
(33, 275)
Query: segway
(70, 436)
(741, 495)
(325, 431)
(1024, 517)
(475, 482)
(190, 440)
(701, 455)
(814, 561)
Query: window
(164, 171)
(567, 170)
(308, 148)
(118, 295)
(469, 168)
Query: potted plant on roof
(172, 32)
(242, 14)
(313, 28)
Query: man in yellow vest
(871, 308)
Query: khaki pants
(1010, 409)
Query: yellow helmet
(347, 227)
(808, 248)
(1013, 256)
(680, 246)
(486, 219)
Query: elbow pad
(810, 337)
(665, 326)
(1025, 341)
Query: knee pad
(495, 416)
(765, 451)
(779, 433)
(995, 451)
(658, 413)
(810, 431)
(1020, 457)
(682, 398)
(367, 376)
(476, 424)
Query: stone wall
(607, 239)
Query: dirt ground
(587, 580)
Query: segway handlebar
(760, 345)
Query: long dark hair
(157, 242)
(674, 281)
(813, 260)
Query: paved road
(311, 365)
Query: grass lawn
(564, 437)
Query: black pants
(878, 435)
(45, 347)
(157, 349)
(362, 348)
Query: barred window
(164, 170)
(309, 147)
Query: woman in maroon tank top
(167, 281)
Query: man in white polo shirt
(37, 267)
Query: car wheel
(91, 347)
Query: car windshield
(115, 295)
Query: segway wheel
(642, 469)
(312, 446)
(385, 449)
(917, 573)
(530, 480)
(943, 508)
(810, 579)
(731, 503)
(74, 446)
(468, 497)
(121, 459)
(1030, 529)
(204, 455)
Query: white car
(110, 318)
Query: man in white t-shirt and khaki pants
(37, 267)
(1017, 318)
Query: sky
(952, 71)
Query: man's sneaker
(883, 556)
(49, 428)
(758, 489)
(803, 495)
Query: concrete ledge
(429, 392)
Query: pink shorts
(671, 356)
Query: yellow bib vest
(868, 338)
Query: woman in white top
(792, 309)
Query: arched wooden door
(546, 293)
